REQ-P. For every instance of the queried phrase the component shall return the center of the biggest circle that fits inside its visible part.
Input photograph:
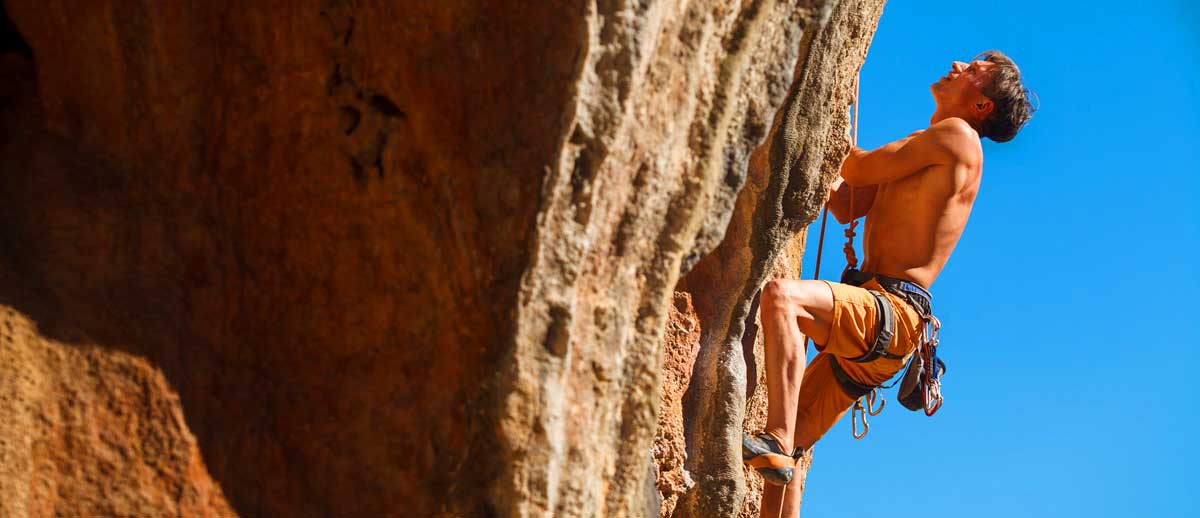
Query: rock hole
(10, 38)
(560, 331)
(349, 32)
(385, 106)
(349, 117)
(380, 148)
(581, 186)
(356, 169)
(335, 80)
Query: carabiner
(933, 397)
(872, 397)
(857, 413)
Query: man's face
(963, 84)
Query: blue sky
(1070, 309)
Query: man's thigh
(810, 301)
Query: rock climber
(916, 194)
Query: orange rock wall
(388, 258)
(312, 217)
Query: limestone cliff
(394, 258)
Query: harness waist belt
(917, 296)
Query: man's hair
(1013, 103)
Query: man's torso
(915, 221)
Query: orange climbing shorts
(855, 316)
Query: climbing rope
(848, 248)
(860, 411)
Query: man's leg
(821, 404)
(790, 309)
(822, 401)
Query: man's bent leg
(821, 400)
(790, 309)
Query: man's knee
(777, 294)
(785, 294)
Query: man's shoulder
(957, 138)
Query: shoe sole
(774, 468)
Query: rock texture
(786, 186)
(681, 342)
(390, 252)
(786, 266)
(90, 432)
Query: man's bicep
(895, 160)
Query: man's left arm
(935, 145)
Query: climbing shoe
(763, 453)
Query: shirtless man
(916, 194)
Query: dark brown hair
(1013, 103)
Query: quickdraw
(932, 397)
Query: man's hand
(839, 200)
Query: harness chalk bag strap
(912, 387)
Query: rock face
(394, 258)
(90, 432)
(681, 342)
(786, 186)
(681, 345)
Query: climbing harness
(920, 386)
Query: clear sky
(1071, 308)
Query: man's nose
(958, 66)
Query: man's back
(916, 219)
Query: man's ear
(983, 107)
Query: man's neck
(940, 114)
